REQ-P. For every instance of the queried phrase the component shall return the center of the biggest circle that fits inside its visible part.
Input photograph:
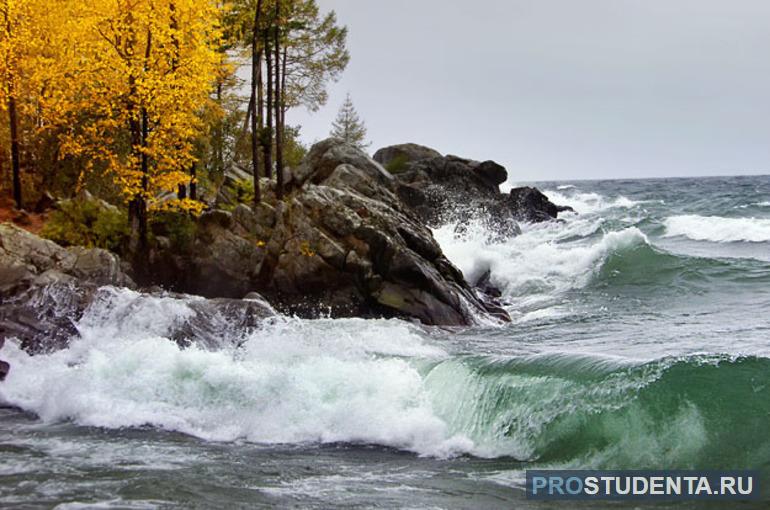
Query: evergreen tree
(349, 126)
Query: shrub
(178, 226)
(90, 222)
(397, 164)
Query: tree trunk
(267, 139)
(193, 182)
(219, 153)
(138, 206)
(145, 184)
(256, 66)
(278, 105)
(14, 127)
(15, 152)
(283, 91)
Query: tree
(278, 103)
(15, 37)
(296, 54)
(147, 67)
(315, 54)
(348, 126)
(255, 108)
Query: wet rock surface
(441, 189)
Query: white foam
(584, 203)
(718, 229)
(544, 260)
(292, 382)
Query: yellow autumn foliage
(95, 70)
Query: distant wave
(755, 204)
(585, 203)
(717, 229)
(565, 186)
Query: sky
(562, 89)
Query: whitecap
(718, 229)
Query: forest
(147, 104)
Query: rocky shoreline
(351, 239)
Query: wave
(582, 412)
(718, 229)
(585, 203)
(383, 383)
(545, 259)
(292, 381)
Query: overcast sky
(563, 89)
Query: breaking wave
(384, 383)
(717, 229)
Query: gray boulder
(533, 205)
(27, 260)
(396, 156)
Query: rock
(25, 256)
(4, 366)
(43, 318)
(441, 189)
(343, 244)
(397, 156)
(492, 173)
(484, 284)
(97, 266)
(44, 287)
(532, 205)
(221, 218)
(233, 181)
(324, 158)
(222, 321)
(47, 201)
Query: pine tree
(349, 126)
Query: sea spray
(540, 261)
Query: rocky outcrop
(43, 318)
(42, 286)
(342, 243)
(45, 290)
(440, 188)
(533, 205)
(29, 261)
